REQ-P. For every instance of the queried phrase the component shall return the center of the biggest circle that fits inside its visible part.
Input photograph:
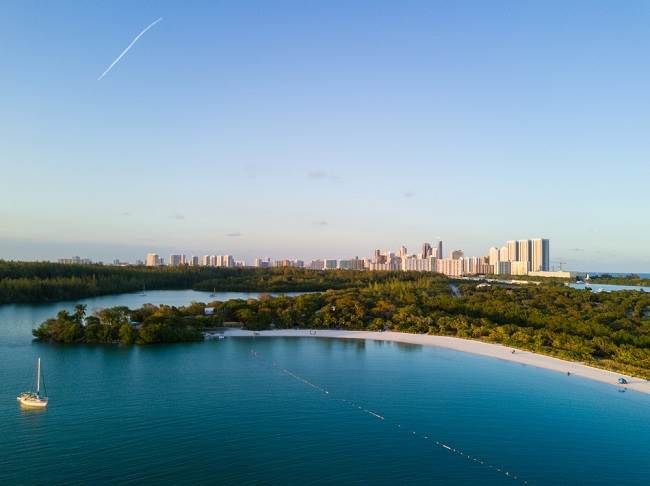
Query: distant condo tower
(427, 250)
(457, 254)
(153, 260)
(439, 252)
(177, 260)
(493, 256)
(523, 252)
(540, 255)
(513, 254)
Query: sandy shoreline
(467, 346)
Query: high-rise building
(260, 263)
(450, 266)
(284, 263)
(330, 265)
(502, 268)
(523, 251)
(472, 265)
(427, 251)
(412, 263)
(403, 252)
(316, 265)
(457, 254)
(540, 260)
(352, 264)
(513, 254)
(503, 254)
(433, 266)
(153, 260)
(493, 255)
(76, 261)
(176, 260)
(439, 254)
(519, 268)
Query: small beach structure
(622, 381)
(209, 335)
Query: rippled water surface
(304, 411)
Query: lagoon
(245, 410)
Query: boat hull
(31, 402)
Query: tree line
(630, 279)
(36, 282)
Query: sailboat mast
(38, 376)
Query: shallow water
(304, 410)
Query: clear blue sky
(305, 129)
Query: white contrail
(127, 48)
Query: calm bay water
(218, 412)
(596, 287)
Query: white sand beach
(468, 346)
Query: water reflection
(408, 347)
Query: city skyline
(533, 253)
(292, 129)
(516, 257)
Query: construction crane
(558, 262)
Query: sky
(296, 129)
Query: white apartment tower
(513, 254)
(540, 261)
(493, 256)
(523, 250)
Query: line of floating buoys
(356, 406)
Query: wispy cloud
(322, 175)
(317, 174)
(409, 194)
(127, 48)
(320, 223)
(576, 249)
(177, 216)
(233, 235)
(126, 213)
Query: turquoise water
(609, 287)
(286, 411)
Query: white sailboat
(34, 399)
